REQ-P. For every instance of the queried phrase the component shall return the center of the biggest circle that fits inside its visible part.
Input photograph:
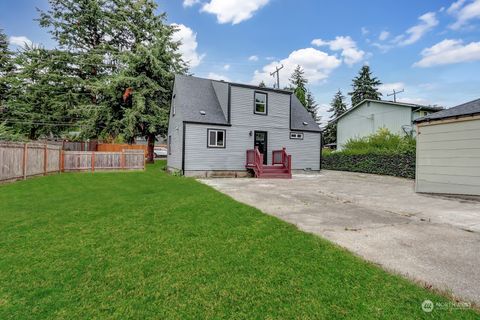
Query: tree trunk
(150, 146)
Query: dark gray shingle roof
(300, 116)
(197, 94)
(466, 109)
(194, 95)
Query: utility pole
(394, 94)
(277, 69)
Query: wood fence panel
(53, 159)
(35, 159)
(108, 160)
(77, 160)
(11, 160)
(134, 160)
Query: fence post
(93, 161)
(25, 155)
(45, 159)
(122, 160)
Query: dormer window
(260, 106)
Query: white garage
(448, 151)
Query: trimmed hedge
(400, 164)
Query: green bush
(381, 153)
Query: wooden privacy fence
(23, 160)
(89, 160)
(118, 147)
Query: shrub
(381, 153)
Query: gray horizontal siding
(305, 153)
(448, 158)
(175, 130)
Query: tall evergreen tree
(299, 82)
(125, 60)
(6, 66)
(39, 99)
(337, 108)
(365, 86)
(311, 106)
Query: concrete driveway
(431, 239)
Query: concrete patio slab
(431, 239)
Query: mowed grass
(141, 245)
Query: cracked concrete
(432, 239)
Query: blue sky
(429, 48)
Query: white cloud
(190, 3)
(20, 41)
(464, 12)
(384, 35)
(189, 45)
(449, 51)
(216, 76)
(253, 58)
(226, 67)
(233, 11)
(350, 53)
(317, 66)
(365, 31)
(427, 22)
(386, 88)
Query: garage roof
(466, 109)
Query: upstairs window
(216, 138)
(260, 103)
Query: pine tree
(140, 94)
(39, 100)
(311, 106)
(337, 108)
(6, 66)
(299, 82)
(365, 86)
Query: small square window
(260, 103)
(216, 138)
(296, 135)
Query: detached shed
(448, 151)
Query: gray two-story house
(213, 123)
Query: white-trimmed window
(260, 106)
(296, 135)
(216, 138)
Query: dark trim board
(241, 85)
(183, 147)
(209, 123)
(229, 107)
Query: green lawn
(148, 245)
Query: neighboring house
(213, 123)
(448, 151)
(368, 116)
